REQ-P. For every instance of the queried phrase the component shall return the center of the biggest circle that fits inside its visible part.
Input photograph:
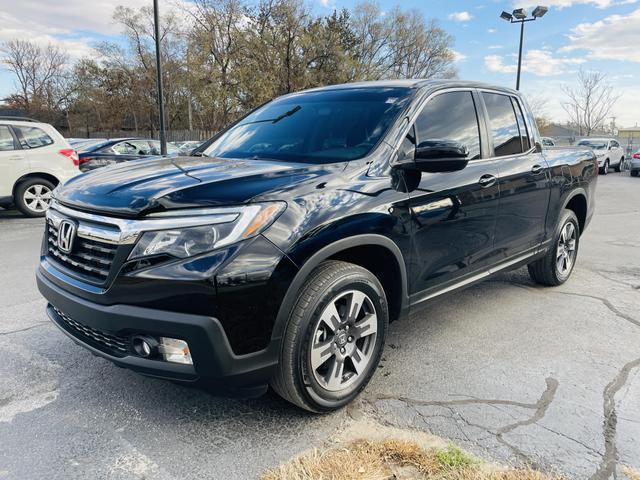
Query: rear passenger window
(503, 124)
(450, 116)
(33, 137)
(6, 139)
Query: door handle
(537, 169)
(16, 157)
(487, 180)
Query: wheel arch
(46, 176)
(354, 249)
(577, 203)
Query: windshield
(594, 145)
(314, 127)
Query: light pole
(519, 15)
(156, 29)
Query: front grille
(105, 341)
(89, 258)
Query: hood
(136, 187)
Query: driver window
(450, 116)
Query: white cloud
(325, 3)
(495, 47)
(614, 38)
(570, 3)
(74, 15)
(460, 16)
(538, 62)
(492, 30)
(458, 56)
(75, 28)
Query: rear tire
(556, 266)
(619, 166)
(33, 196)
(330, 349)
(634, 173)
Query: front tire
(334, 339)
(634, 173)
(33, 196)
(605, 169)
(556, 266)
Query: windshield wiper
(287, 114)
(278, 118)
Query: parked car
(607, 150)
(84, 142)
(34, 158)
(547, 142)
(187, 147)
(117, 150)
(635, 164)
(279, 256)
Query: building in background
(630, 139)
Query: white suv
(34, 158)
(607, 150)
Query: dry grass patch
(393, 459)
(632, 474)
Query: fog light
(174, 350)
(145, 346)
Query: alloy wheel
(37, 198)
(566, 251)
(343, 341)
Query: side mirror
(441, 156)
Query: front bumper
(213, 359)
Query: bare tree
(538, 103)
(41, 74)
(400, 44)
(590, 102)
(221, 58)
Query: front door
(453, 213)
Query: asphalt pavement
(513, 372)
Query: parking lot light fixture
(506, 16)
(539, 12)
(519, 15)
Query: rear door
(13, 162)
(453, 213)
(617, 153)
(523, 175)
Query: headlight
(213, 231)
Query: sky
(602, 35)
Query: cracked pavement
(511, 371)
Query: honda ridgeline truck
(279, 253)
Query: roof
(413, 84)
(19, 121)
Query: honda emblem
(66, 234)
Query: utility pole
(156, 27)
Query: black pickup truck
(280, 253)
